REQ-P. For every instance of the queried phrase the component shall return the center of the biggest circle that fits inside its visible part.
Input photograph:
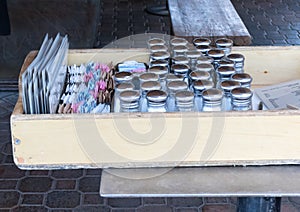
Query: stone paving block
(185, 201)
(92, 209)
(286, 207)
(8, 199)
(124, 202)
(65, 184)
(33, 199)
(186, 210)
(7, 148)
(89, 184)
(96, 172)
(215, 200)
(93, 199)
(30, 209)
(295, 200)
(35, 184)
(123, 210)
(10, 172)
(155, 208)
(39, 172)
(8, 184)
(154, 201)
(219, 208)
(63, 199)
(8, 160)
(59, 174)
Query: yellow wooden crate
(123, 140)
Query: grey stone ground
(270, 22)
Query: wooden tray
(168, 139)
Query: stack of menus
(43, 80)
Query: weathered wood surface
(195, 139)
(208, 18)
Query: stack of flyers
(43, 80)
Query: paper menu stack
(43, 80)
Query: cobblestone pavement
(270, 22)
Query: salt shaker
(239, 60)
(224, 44)
(244, 78)
(201, 41)
(184, 101)
(157, 101)
(241, 99)
(224, 73)
(145, 88)
(156, 41)
(212, 99)
(123, 77)
(193, 56)
(129, 101)
(162, 72)
(182, 70)
(198, 87)
(180, 60)
(119, 88)
(173, 88)
(227, 86)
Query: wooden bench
(207, 18)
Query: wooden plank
(194, 139)
(201, 182)
(206, 18)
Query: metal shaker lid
(150, 85)
(129, 96)
(148, 77)
(201, 41)
(241, 93)
(213, 94)
(123, 76)
(157, 96)
(199, 75)
(224, 43)
(177, 86)
(201, 85)
(236, 57)
(180, 68)
(228, 85)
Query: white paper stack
(43, 80)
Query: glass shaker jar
(119, 88)
(217, 55)
(156, 41)
(145, 88)
(148, 77)
(184, 101)
(207, 67)
(244, 78)
(164, 63)
(224, 73)
(123, 77)
(212, 99)
(198, 87)
(201, 41)
(226, 62)
(129, 101)
(203, 49)
(174, 87)
(227, 86)
(193, 56)
(198, 75)
(241, 99)
(158, 48)
(205, 59)
(224, 44)
(182, 70)
(239, 60)
(180, 60)
(162, 72)
(172, 77)
(179, 50)
(178, 42)
(157, 101)
(160, 55)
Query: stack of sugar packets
(89, 89)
